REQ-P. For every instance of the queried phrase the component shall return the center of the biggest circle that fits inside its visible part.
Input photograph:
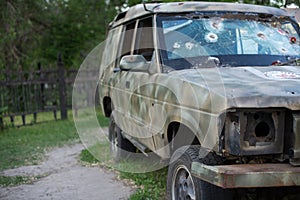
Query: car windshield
(227, 40)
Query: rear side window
(127, 39)
(111, 46)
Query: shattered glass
(236, 40)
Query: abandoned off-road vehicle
(215, 88)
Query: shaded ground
(65, 178)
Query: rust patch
(248, 175)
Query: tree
(21, 25)
(76, 27)
(36, 31)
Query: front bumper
(248, 175)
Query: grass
(41, 117)
(17, 180)
(87, 158)
(26, 145)
(151, 185)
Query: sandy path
(66, 179)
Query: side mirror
(136, 63)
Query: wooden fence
(24, 93)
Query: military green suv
(212, 87)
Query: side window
(144, 39)
(127, 39)
(111, 46)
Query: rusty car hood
(249, 87)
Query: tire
(181, 185)
(120, 147)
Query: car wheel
(120, 147)
(182, 185)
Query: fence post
(12, 120)
(34, 117)
(1, 123)
(23, 119)
(42, 86)
(62, 88)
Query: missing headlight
(254, 132)
(260, 127)
(262, 130)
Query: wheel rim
(182, 184)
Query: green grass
(49, 117)
(84, 115)
(87, 158)
(26, 145)
(151, 185)
(41, 117)
(17, 180)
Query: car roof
(139, 10)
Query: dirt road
(65, 178)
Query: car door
(132, 94)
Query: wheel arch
(107, 106)
(173, 129)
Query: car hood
(248, 87)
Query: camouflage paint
(146, 103)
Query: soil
(65, 178)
